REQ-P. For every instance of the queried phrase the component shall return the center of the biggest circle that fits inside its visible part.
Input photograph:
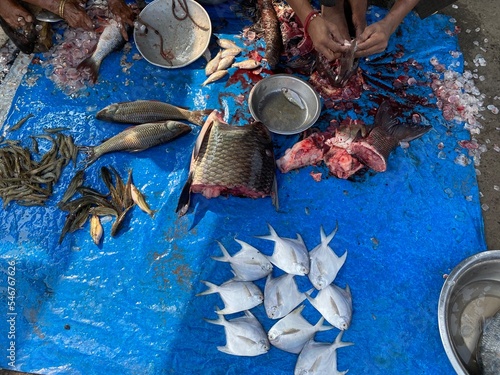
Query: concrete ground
(483, 16)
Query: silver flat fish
(289, 254)
(318, 358)
(236, 295)
(335, 305)
(281, 295)
(245, 336)
(248, 264)
(293, 97)
(325, 264)
(488, 348)
(292, 332)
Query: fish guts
(235, 160)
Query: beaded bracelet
(312, 15)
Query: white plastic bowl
(183, 41)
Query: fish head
(264, 346)
(272, 312)
(320, 282)
(301, 269)
(273, 335)
(341, 322)
(266, 266)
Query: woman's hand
(123, 15)
(374, 39)
(326, 37)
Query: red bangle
(312, 15)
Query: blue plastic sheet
(128, 306)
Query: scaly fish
(225, 62)
(230, 52)
(226, 43)
(245, 336)
(289, 254)
(110, 40)
(488, 347)
(335, 305)
(248, 264)
(319, 358)
(212, 65)
(281, 295)
(138, 138)
(236, 295)
(292, 332)
(384, 137)
(272, 32)
(325, 264)
(237, 160)
(143, 111)
(218, 74)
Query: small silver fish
(325, 264)
(289, 254)
(318, 358)
(212, 65)
(246, 64)
(248, 264)
(236, 295)
(293, 97)
(292, 332)
(215, 77)
(226, 43)
(281, 295)
(335, 305)
(230, 52)
(139, 200)
(245, 336)
(225, 62)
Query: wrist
(309, 18)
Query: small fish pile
(283, 301)
(230, 160)
(28, 181)
(488, 346)
(218, 66)
(348, 147)
(117, 202)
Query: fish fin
(196, 117)
(325, 240)
(279, 298)
(298, 310)
(290, 331)
(272, 236)
(320, 325)
(212, 288)
(204, 132)
(220, 321)
(225, 349)
(185, 196)
(246, 340)
(225, 255)
(90, 155)
(338, 343)
(92, 66)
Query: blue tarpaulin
(128, 305)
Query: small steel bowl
(269, 104)
(183, 40)
(470, 294)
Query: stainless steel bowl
(470, 294)
(183, 40)
(269, 104)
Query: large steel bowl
(470, 294)
(184, 41)
(268, 104)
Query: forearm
(301, 8)
(398, 12)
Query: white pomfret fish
(289, 254)
(281, 295)
(236, 295)
(324, 263)
(335, 305)
(248, 264)
(318, 358)
(245, 336)
(292, 332)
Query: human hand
(325, 37)
(123, 15)
(75, 15)
(374, 39)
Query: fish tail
(338, 343)
(185, 197)
(212, 288)
(325, 240)
(272, 236)
(196, 117)
(226, 257)
(91, 156)
(91, 66)
(220, 321)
